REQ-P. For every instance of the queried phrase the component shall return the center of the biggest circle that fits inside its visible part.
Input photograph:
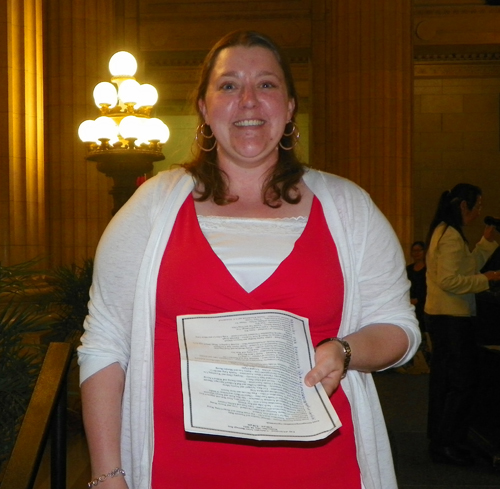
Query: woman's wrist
(492, 275)
(346, 348)
(116, 472)
(489, 233)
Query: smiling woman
(247, 107)
(247, 93)
(245, 226)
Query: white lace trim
(285, 225)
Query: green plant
(34, 304)
(13, 279)
(69, 295)
(19, 357)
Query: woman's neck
(250, 204)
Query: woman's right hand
(489, 233)
(492, 275)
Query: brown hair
(282, 182)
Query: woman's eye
(227, 86)
(267, 85)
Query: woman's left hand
(329, 367)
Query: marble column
(4, 136)
(78, 45)
(362, 59)
(22, 186)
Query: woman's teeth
(248, 123)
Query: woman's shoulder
(330, 178)
(342, 197)
(446, 239)
(164, 182)
(159, 189)
(444, 231)
(448, 232)
(169, 176)
(334, 183)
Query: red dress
(193, 280)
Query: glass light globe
(148, 96)
(142, 132)
(114, 141)
(122, 64)
(157, 130)
(165, 133)
(128, 92)
(129, 127)
(87, 131)
(105, 94)
(106, 128)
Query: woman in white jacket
(452, 280)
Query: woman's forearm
(101, 403)
(373, 347)
(377, 346)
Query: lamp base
(124, 166)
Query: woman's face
(417, 252)
(247, 106)
(470, 215)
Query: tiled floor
(404, 401)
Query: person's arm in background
(413, 295)
(450, 259)
(483, 251)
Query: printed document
(243, 376)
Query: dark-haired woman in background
(452, 280)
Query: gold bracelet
(103, 477)
(347, 352)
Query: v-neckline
(312, 213)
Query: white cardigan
(121, 320)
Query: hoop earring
(294, 134)
(200, 134)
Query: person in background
(244, 226)
(488, 306)
(416, 275)
(453, 278)
(416, 272)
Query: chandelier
(124, 140)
